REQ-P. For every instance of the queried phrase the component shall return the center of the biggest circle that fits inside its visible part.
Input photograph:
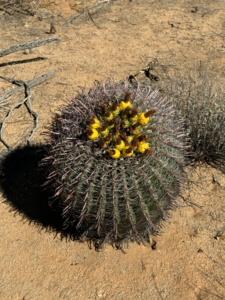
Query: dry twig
(73, 18)
(92, 6)
(88, 9)
(28, 91)
(35, 115)
(27, 85)
(31, 83)
(28, 46)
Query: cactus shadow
(21, 181)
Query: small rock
(28, 51)
(101, 294)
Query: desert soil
(116, 39)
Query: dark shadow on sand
(21, 185)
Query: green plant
(115, 161)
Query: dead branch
(25, 61)
(73, 18)
(88, 9)
(92, 6)
(32, 83)
(27, 101)
(29, 107)
(28, 46)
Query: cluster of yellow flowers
(120, 129)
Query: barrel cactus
(115, 161)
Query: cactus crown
(110, 133)
(116, 178)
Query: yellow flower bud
(137, 126)
(111, 124)
(115, 109)
(108, 139)
(104, 132)
(127, 151)
(120, 146)
(114, 153)
(94, 123)
(116, 112)
(142, 119)
(133, 120)
(125, 123)
(92, 133)
(124, 105)
(142, 147)
(108, 116)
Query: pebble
(101, 294)
(28, 51)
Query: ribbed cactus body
(115, 198)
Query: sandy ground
(117, 40)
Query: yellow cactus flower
(144, 117)
(94, 123)
(92, 133)
(124, 105)
(142, 147)
(104, 131)
(116, 112)
(115, 109)
(119, 144)
(127, 151)
(114, 153)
